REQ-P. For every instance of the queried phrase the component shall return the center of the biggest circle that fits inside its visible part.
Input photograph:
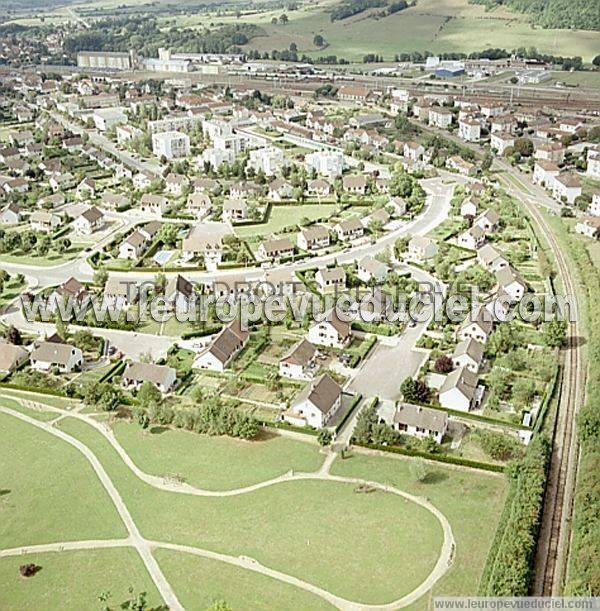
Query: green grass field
(284, 216)
(471, 501)
(431, 25)
(215, 463)
(75, 580)
(200, 582)
(320, 531)
(50, 492)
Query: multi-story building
(171, 145)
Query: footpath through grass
(200, 582)
(322, 532)
(471, 501)
(49, 491)
(215, 463)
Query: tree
(84, 340)
(284, 19)
(168, 235)
(324, 437)
(100, 277)
(498, 446)
(13, 336)
(148, 395)
(444, 364)
(486, 164)
(523, 391)
(318, 41)
(596, 60)
(419, 469)
(524, 147)
(415, 391)
(554, 333)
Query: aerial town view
(299, 305)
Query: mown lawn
(200, 582)
(75, 580)
(49, 491)
(323, 532)
(284, 216)
(471, 501)
(215, 463)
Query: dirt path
(144, 546)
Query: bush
(509, 566)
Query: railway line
(554, 538)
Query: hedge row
(357, 399)
(509, 566)
(443, 458)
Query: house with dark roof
(332, 331)
(88, 221)
(316, 404)
(224, 348)
(299, 362)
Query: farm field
(215, 463)
(431, 25)
(77, 579)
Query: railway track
(554, 538)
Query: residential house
(141, 181)
(550, 151)
(477, 325)
(332, 331)
(414, 420)
(199, 204)
(469, 354)
(421, 248)
(500, 141)
(132, 246)
(276, 248)
(280, 189)
(473, 238)
(413, 151)
(40, 220)
(441, 117)
(228, 343)
(235, 210)
(119, 294)
(49, 356)
(162, 377)
(180, 294)
(317, 403)
(566, 187)
(176, 183)
(357, 185)
(331, 279)
(589, 226)
(10, 215)
(489, 221)
(469, 130)
(313, 238)
(11, 357)
(544, 173)
(490, 259)
(371, 270)
(458, 164)
(511, 283)
(459, 390)
(349, 229)
(88, 221)
(299, 362)
(156, 205)
(319, 187)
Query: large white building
(104, 59)
(593, 164)
(326, 163)
(171, 144)
(269, 160)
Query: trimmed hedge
(342, 422)
(444, 458)
(509, 566)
